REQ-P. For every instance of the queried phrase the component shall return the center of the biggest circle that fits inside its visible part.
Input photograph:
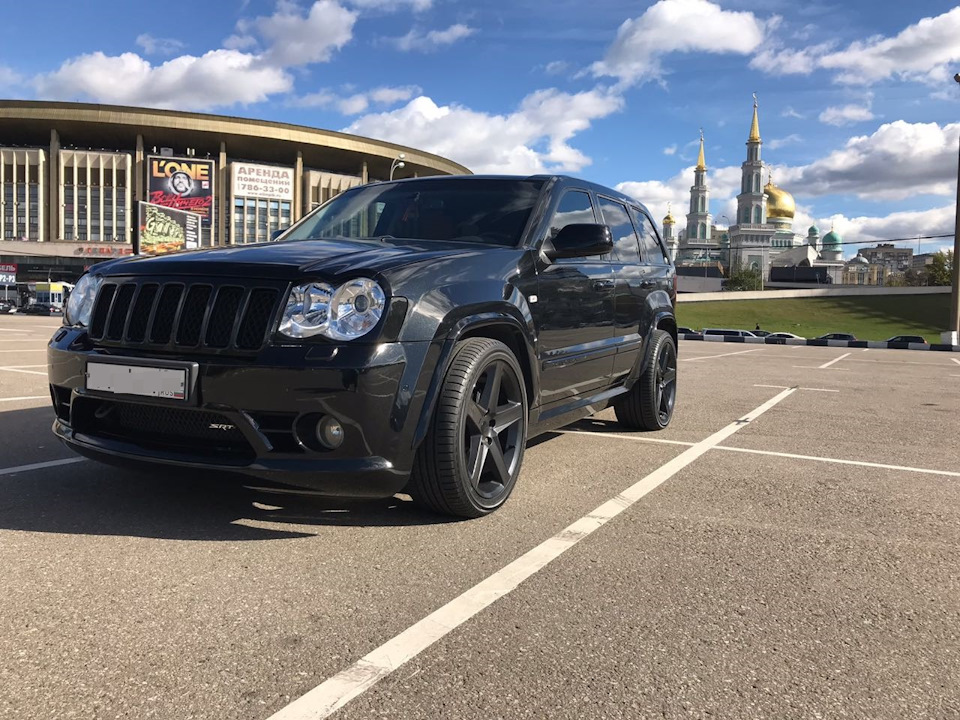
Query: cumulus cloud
(392, 5)
(778, 143)
(557, 67)
(846, 114)
(672, 26)
(220, 77)
(670, 150)
(920, 52)
(9, 78)
(357, 103)
(431, 40)
(534, 138)
(897, 161)
(158, 46)
(895, 226)
(788, 111)
(250, 69)
(294, 38)
(658, 196)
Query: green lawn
(869, 317)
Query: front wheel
(471, 457)
(649, 403)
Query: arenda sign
(182, 183)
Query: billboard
(8, 274)
(165, 229)
(182, 183)
(267, 182)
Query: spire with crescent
(755, 125)
(701, 164)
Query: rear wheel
(471, 457)
(649, 403)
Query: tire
(469, 461)
(650, 402)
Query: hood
(294, 259)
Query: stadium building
(72, 176)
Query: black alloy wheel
(470, 460)
(649, 404)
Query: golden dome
(780, 203)
(668, 220)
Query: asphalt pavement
(788, 548)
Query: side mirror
(579, 240)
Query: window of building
(757, 215)
(703, 231)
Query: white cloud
(778, 143)
(901, 226)
(220, 77)
(671, 26)
(670, 150)
(724, 184)
(845, 115)
(534, 138)
(919, 52)
(392, 5)
(158, 46)
(293, 38)
(9, 78)
(557, 67)
(357, 103)
(791, 113)
(781, 61)
(432, 40)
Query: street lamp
(953, 335)
(397, 163)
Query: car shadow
(89, 498)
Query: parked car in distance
(785, 336)
(407, 335)
(686, 331)
(760, 333)
(837, 336)
(907, 339)
(728, 333)
(39, 309)
(7, 308)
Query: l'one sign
(267, 182)
(8, 274)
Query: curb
(879, 345)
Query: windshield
(491, 211)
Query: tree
(743, 278)
(938, 271)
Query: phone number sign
(266, 182)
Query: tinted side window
(650, 243)
(574, 208)
(625, 245)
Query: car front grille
(184, 315)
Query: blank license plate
(137, 380)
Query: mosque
(762, 235)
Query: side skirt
(552, 417)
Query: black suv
(410, 335)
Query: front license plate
(137, 380)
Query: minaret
(750, 205)
(698, 219)
(668, 237)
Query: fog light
(330, 432)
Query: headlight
(344, 313)
(79, 305)
(308, 310)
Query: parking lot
(788, 548)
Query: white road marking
(21, 370)
(817, 367)
(866, 350)
(956, 361)
(862, 463)
(40, 466)
(24, 350)
(707, 357)
(784, 387)
(626, 437)
(835, 360)
(25, 397)
(337, 691)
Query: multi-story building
(895, 258)
(72, 176)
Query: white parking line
(626, 437)
(25, 397)
(784, 387)
(835, 360)
(21, 370)
(956, 361)
(334, 693)
(707, 357)
(861, 463)
(40, 466)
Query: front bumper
(254, 417)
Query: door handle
(603, 284)
(647, 284)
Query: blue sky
(859, 113)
